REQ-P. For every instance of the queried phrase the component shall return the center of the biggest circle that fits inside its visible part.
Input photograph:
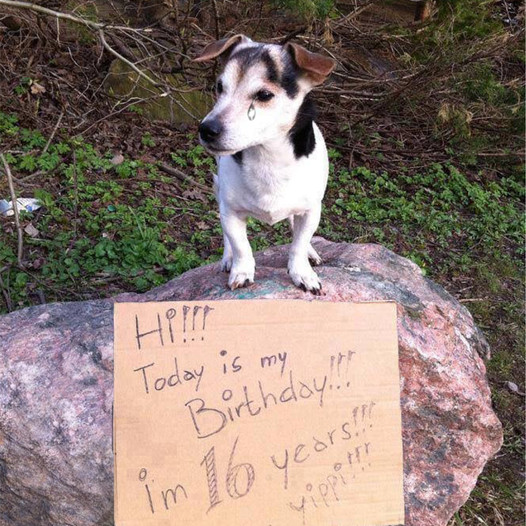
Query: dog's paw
(226, 264)
(314, 257)
(241, 275)
(305, 278)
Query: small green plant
(309, 9)
(127, 169)
(8, 125)
(136, 109)
(23, 86)
(147, 140)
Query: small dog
(271, 156)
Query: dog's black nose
(210, 130)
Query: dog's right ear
(314, 66)
(220, 47)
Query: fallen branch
(170, 170)
(100, 29)
(7, 170)
(48, 143)
(65, 16)
(115, 53)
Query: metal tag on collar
(251, 113)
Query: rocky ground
(58, 386)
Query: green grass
(129, 224)
(99, 221)
(429, 214)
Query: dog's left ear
(215, 49)
(314, 66)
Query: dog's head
(259, 93)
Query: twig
(5, 292)
(183, 177)
(15, 209)
(41, 296)
(76, 187)
(66, 16)
(352, 15)
(53, 132)
(292, 35)
(500, 154)
(122, 58)
(216, 18)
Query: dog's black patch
(272, 70)
(289, 77)
(238, 157)
(302, 132)
(247, 56)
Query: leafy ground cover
(123, 220)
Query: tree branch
(99, 28)
(172, 170)
(15, 209)
(65, 16)
(50, 140)
(115, 53)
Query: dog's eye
(264, 95)
(219, 87)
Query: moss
(123, 82)
(86, 10)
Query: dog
(272, 162)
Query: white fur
(270, 184)
(272, 119)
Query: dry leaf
(117, 159)
(30, 230)
(37, 89)
(194, 193)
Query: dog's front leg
(243, 263)
(226, 260)
(300, 271)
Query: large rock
(56, 387)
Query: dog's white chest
(273, 196)
(269, 195)
(270, 190)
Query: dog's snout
(210, 130)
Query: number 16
(232, 477)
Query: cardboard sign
(260, 413)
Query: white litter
(30, 230)
(23, 205)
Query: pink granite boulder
(56, 361)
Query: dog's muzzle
(210, 130)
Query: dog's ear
(314, 66)
(215, 49)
